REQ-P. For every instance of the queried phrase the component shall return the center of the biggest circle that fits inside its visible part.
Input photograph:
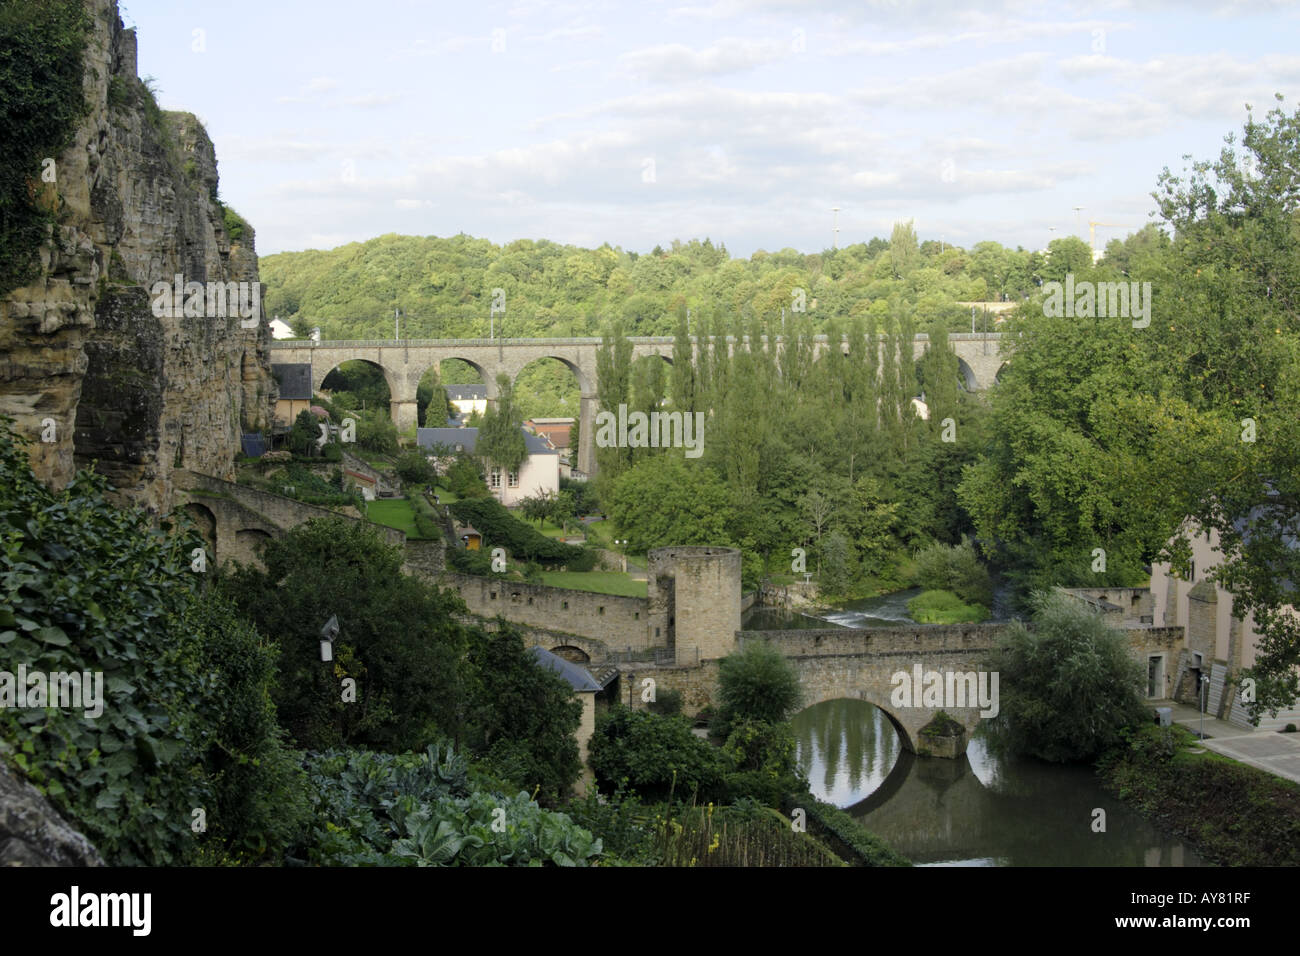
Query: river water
(985, 809)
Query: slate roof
(468, 437)
(294, 379)
(579, 677)
(466, 393)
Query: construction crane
(1092, 234)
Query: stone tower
(694, 595)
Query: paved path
(1262, 748)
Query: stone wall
(426, 558)
(618, 622)
(137, 393)
(893, 641)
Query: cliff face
(85, 346)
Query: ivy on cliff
(41, 99)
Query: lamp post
(1204, 680)
(622, 545)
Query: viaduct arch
(404, 363)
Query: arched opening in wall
(574, 655)
(357, 386)
(966, 375)
(206, 525)
(249, 543)
(1001, 370)
(846, 748)
(452, 390)
(549, 393)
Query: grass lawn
(393, 513)
(601, 582)
(445, 497)
(550, 530)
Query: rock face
(137, 392)
(31, 831)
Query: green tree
(655, 756)
(399, 639)
(523, 715)
(501, 441)
(1068, 685)
(757, 683)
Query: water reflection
(984, 809)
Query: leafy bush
(955, 568)
(667, 703)
(1068, 684)
(523, 542)
(422, 810)
(413, 468)
(944, 607)
(622, 824)
(658, 757)
(465, 480)
(756, 683)
(185, 718)
(522, 716)
(399, 638)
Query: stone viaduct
(404, 363)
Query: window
(636, 615)
(513, 479)
(1193, 577)
(494, 480)
(656, 632)
(566, 606)
(600, 610)
(494, 595)
(530, 599)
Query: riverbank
(1233, 815)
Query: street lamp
(1204, 680)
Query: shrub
(399, 639)
(522, 716)
(756, 683)
(955, 568)
(423, 809)
(1068, 686)
(413, 468)
(523, 542)
(667, 703)
(185, 717)
(944, 607)
(655, 756)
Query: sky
(745, 121)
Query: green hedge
(522, 541)
(859, 845)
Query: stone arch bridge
(404, 363)
(860, 664)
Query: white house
(540, 472)
(280, 329)
(467, 399)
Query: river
(984, 809)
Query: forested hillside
(443, 286)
